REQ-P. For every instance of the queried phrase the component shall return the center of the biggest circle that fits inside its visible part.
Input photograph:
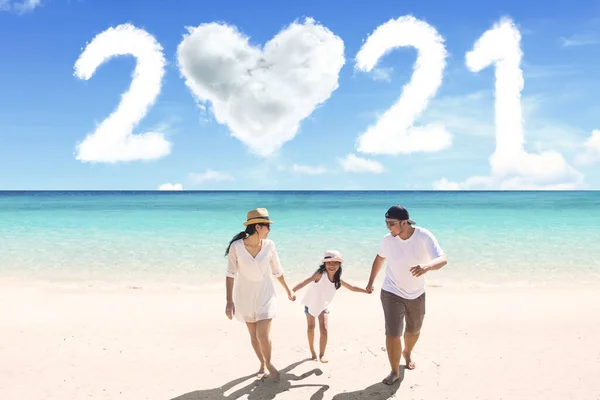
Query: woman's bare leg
(256, 346)
(263, 329)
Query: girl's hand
(291, 296)
(230, 309)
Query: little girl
(320, 293)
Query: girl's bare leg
(310, 331)
(323, 324)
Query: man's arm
(436, 263)
(438, 258)
(433, 265)
(377, 264)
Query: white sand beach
(148, 343)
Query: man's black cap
(400, 213)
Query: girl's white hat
(332, 255)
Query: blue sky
(306, 88)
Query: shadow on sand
(259, 389)
(378, 391)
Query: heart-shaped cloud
(262, 95)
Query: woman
(253, 259)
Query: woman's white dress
(254, 290)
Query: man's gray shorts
(396, 309)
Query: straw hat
(258, 216)
(332, 255)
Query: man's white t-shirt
(401, 255)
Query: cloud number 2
(114, 141)
(394, 132)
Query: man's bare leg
(323, 325)
(256, 346)
(409, 341)
(263, 329)
(394, 350)
(310, 331)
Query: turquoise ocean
(179, 238)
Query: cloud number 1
(113, 140)
(500, 46)
(394, 132)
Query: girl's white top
(253, 290)
(319, 295)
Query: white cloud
(262, 95)
(445, 184)
(580, 40)
(19, 7)
(113, 140)
(548, 134)
(473, 114)
(264, 174)
(308, 170)
(550, 71)
(353, 163)
(591, 150)
(511, 183)
(170, 186)
(209, 176)
(394, 132)
(470, 114)
(511, 166)
(167, 125)
(382, 74)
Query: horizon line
(289, 190)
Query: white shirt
(401, 255)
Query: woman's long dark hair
(337, 278)
(250, 230)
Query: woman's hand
(291, 296)
(230, 309)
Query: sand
(176, 343)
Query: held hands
(230, 309)
(369, 289)
(417, 270)
(291, 295)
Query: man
(411, 251)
